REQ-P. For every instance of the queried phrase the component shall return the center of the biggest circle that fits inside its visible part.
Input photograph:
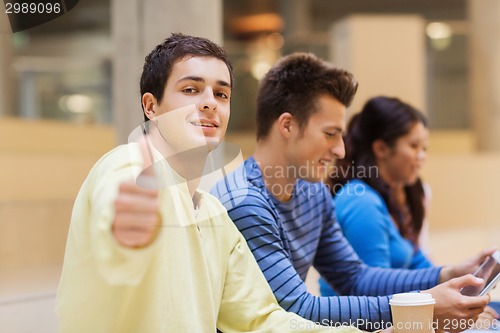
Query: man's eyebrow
(336, 128)
(224, 83)
(202, 80)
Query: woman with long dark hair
(378, 194)
(379, 197)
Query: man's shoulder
(240, 188)
(312, 194)
(118, 156)
(116, 159)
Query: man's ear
(286, 123)
(380, 149)
(149, 105)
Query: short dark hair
(159, 63)
(294, 84)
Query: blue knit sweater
(288, 238)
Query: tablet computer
(489, 271)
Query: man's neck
(275, 171)
(188, 164)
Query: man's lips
(205, 123)
(325, 162)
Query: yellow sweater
(197, 275)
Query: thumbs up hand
(137, 222)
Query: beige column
(297, 28)
(484, 64)
(386, 53)
(139, 25)
(6, 75)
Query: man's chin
(212, 143)
(203, 141)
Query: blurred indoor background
(69, 93)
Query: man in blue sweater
(286, 214)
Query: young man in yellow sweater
(149, 252)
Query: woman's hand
(467, 266)
(487, 318)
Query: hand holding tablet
(490, 272)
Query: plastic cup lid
(412, 299)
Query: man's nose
(208, 102)
(338, 149)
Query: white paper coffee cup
(412, 312)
